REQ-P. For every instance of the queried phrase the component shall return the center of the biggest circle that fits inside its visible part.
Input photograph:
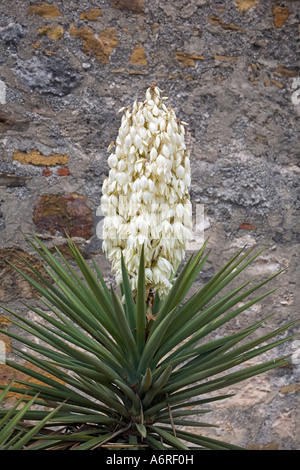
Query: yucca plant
(131, 366)
(15, 434)
(125, 380)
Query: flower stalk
(146, 195)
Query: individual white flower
(145, 197)
(112, 160)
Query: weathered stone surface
(46, 10)
(101, 46)
(91, 15)
(245, 5)
(138, 56)
(11, 35)
(133, 5)
(2, 92)
(53, 32)
(48, 75)
(12, 121)
(66, 214)
(280, 15)
(217, 20)
(34, 157)
(47, 172)
(8, 180)
(13, 286)
(63, 171)
(270, 446)
(187, 60)
(285, 72)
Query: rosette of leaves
(122, 379)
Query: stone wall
(231, 70)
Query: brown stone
(138, 56)
(13, 286)
(290, 388)
(91, 15)
(53, 32)
(34, 157)
(9, 180)
(269, 446)
(247, 226)
(137, 72)
(187, 60)
(216, 20)
(245, 5)
(36, 45)
(277, 83)
(47, 173)
(109, 39)
(261, 138)
(4, 321)
(67, 214)
(63, 171)
(12, 121)
(188, 77)
(223, 57)
(280, 15)
(285, 72)
(121, 70)
(45, 10)
(136, 6)
(101, 47)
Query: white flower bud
(128, 141)
(121, 165)
(170, 129)
(155, 110)
(132, 150)
(121, 178)
(119, 152)
(153, 127)
(137, 140)
(132, 132)
(161, 161)
(112, 160)
(180, 171)
(157, 142)
(144, 182)
(162, 124)
(179, 210)
(147, 197)
(166, 151)
(153, 154)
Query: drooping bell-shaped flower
(145, 197)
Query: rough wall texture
(231, 70)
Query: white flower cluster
(145, 197)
